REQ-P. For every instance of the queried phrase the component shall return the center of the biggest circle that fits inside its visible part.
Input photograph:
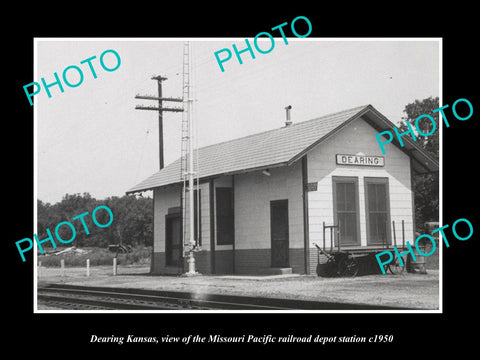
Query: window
(224, 217)
(378, 211)
(345, 207)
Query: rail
(75, 297)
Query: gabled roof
(280, 147)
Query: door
(173, 240)
(279, 233)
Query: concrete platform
(258, 277)
(270, 271)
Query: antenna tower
(187, 168)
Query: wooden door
(279, 233)
(173, 240)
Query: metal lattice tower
(187, 167)
(185, 134)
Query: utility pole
(160, 110)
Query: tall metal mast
(187, 167)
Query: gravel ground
(419, 291)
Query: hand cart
(339, 262)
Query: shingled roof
(278, 147)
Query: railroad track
(75, 297)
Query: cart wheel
(332, 267)
(322, 270)
(348, 267)
(386, 268)
(327, 269)
(395, 267)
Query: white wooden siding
(357, 138)
(253, 193)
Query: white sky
(91, 138)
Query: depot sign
(361, 160)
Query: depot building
(264, 200)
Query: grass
(141, 256)
(98, 257)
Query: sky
(90, 138)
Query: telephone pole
(160, 110)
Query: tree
(413, 110)
(132, 220)
(70, 207)
(45, 218)
(426, 186)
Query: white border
(35, 273)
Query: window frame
(350, 180)
(377, 180)
(220, 235)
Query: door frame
(168, 255)
(272, 202)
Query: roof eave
(212, 176)
(409, 147)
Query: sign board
(360, 160)
(313, 186)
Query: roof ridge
(284, 127)
(216, 157)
